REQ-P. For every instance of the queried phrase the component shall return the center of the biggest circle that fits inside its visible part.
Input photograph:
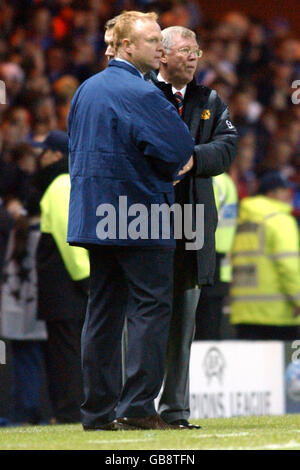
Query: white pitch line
(288, 445)
(233, 434)
(36, 429)
(199, 436)
(13, 430)
(117, 442)
(216, 434)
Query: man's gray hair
(169, 34)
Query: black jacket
(216, 139)
(59, 297)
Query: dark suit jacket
(207, 117)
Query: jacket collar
(161, 84)
(166, 88)
(124, 65)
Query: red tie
(179, 99)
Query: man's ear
(164, 58)
(127, 45)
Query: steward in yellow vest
(227, 206)
(265, 292)
(54, 220)
(63, 278)
(210, 306)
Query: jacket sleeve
(284, 251)
(161, 135)
(215, 157)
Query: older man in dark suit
(207, 117)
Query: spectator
(13, 77)
(265, 293)
(56, 63)
(40, 27)
(6, 224)
(19, 317)
(16, 174)
(241, 170)
(210, 307)
(278, 158)
(62, 281)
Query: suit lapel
(166, 88)
(195, 102)
(194, 105)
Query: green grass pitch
(257, 433)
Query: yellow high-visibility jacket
(54, 220)
(226, 199)
(266, 264)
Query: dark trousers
(210, 307)
(64, 369)
(140, 279)
(174, 402)
(262, 332)
(28, 375)
(209, 314)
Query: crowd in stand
(49, 47)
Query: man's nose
(110, 53)
(160, 46)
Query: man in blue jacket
(123, 162)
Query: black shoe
(183, 424)
(149, 422)
(113, 426)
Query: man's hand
(15, 208)
(187, 167)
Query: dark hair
(110, 24)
